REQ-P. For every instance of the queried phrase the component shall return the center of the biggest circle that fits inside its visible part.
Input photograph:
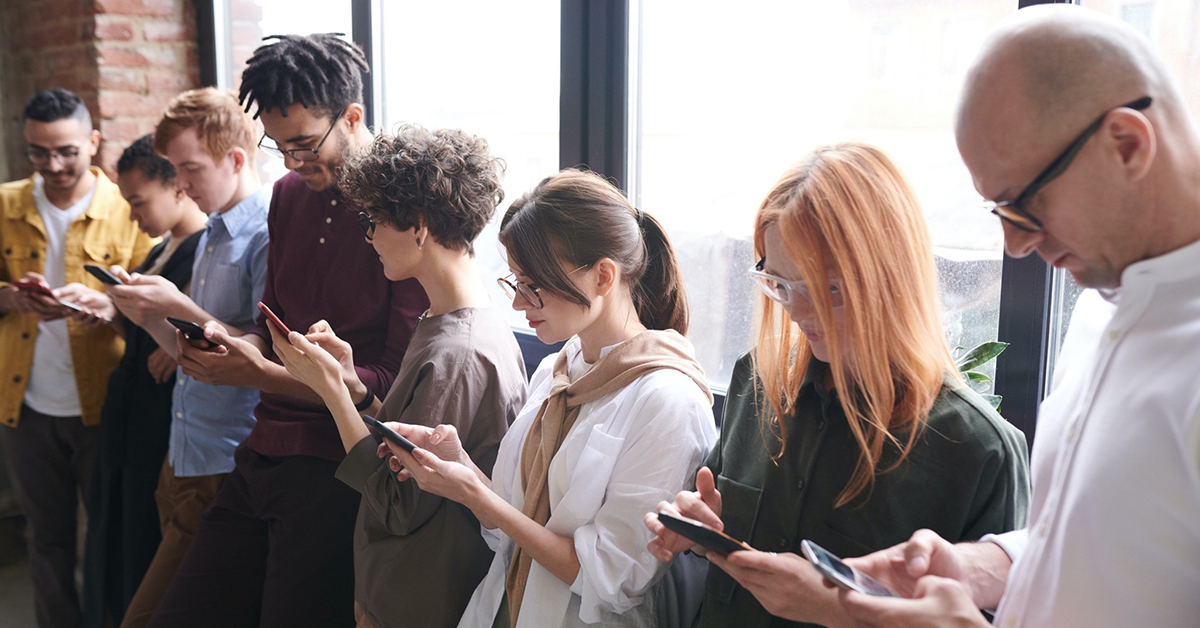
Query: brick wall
(125, 58)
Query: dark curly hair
(57, 104)
(321, 72)
(446, 180)
(141, 156)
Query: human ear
(1135, 140)
(238, 157)
(353, 115)
(607, 273)
(93, 142)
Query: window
(488, 68)
(730, 98)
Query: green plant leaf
(981, 355)
(976, 376)
(994, 400)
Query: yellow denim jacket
(104, 235)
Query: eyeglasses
(1014, 211)
(783, 291)
(367, 224)
(531, 293)
(64, 156)
(301, 154)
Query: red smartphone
(34, 286)
(274, 319)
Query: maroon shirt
(319, 267)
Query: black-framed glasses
(64, 156)
(301, 154)
(784, 291)
(1014, 211)
(531, 293)
(367, 224)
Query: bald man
(1071, 125)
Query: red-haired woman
(848, 424)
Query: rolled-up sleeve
(658, 458)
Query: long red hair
(847, 211)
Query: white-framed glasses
(783, 291)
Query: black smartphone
(101, 273)
(840, 573)
(191, 330)
(389, 433)
(703, 535)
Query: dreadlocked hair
(322, 72)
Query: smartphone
(389, 433)
(44, 290)
(840, 573)
(702, 534)
(191, 330)
(101, 273)
(274, 319)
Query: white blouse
(627, 451)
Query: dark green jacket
(967, 476)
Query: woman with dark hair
(427, 196)
(617, 420)
(123, 519)
(848, 425)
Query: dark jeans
(51, 460)
(274, 550)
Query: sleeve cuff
(360, 464)
(1013, 543)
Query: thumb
(707, 487)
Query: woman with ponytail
(848, 425)
(616, 421)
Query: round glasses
(65, 156)
(300, 154)
(531, 293)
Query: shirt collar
(1181, 264)
(239, 215)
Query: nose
(800, 310)
(291, 163)
(1018, 242)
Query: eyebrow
(59, 148)
(297, 139)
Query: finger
(691, 505)
(706, 485)
(119, 273)
(918, 552)
(216, 333)
(320, 327)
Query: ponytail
(579, 217)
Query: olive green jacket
(967, 476)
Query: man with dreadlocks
(275, 547)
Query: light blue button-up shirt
(209, 422)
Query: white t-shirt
(51, 387)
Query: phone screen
(840, 573)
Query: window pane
(241, 26)
(488, 68)
(720, 118)
(1173, 27)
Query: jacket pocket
(592, 473)
(739, 513)
(20, 259)
(106, 254)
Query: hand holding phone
(274, 319)
(40, 288)
(701, 534)
(101, 273)
(191, 330)
(841, 574)
(389, 433)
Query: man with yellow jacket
(57, 360)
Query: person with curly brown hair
(427, 196)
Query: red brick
(121, 79)
(172, 81)
(159, 30)
(110, 152)
(138, 7)
(137, 56)
(113, 29)
(124, 104)
(119, 130)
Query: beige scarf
(646, 352)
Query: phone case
(841, 574)
(701, 534)
(389, 433)
(101, 273)
(274, 319)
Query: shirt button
(1042, 529)
(334, 203)
(328, 220)
(1114, 334)
(34, 255)
(821, 424)
(1071, 434)
(179, 415)
(322, 240)
(179, 382)
(24, 335)
(17, 378)
(202, 282)
(783, 544)
(800, 484)
(209, 249)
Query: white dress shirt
(627, 451)
(1114, 527)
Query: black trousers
(274, 550)
(51, 460)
